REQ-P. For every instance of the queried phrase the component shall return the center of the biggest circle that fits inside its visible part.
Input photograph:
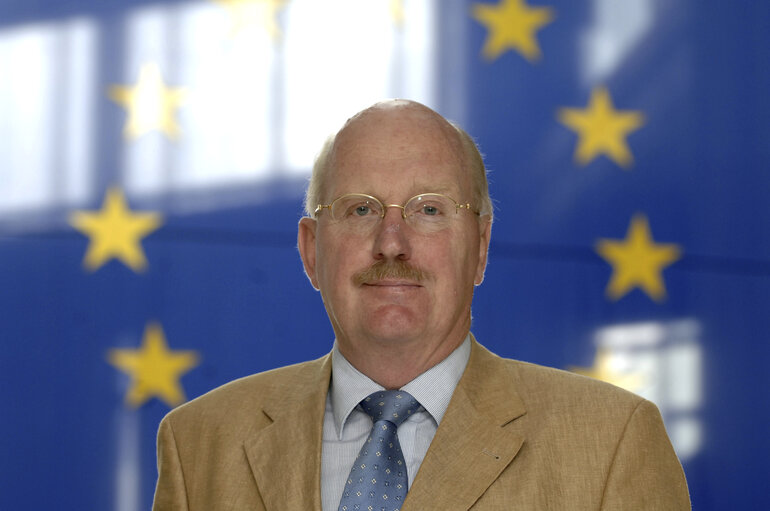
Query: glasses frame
(458, 205)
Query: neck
(394, 364)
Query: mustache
(391, 269)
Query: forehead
(397, 153)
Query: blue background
(225, 280)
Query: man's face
(395, 154)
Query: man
(396, 238)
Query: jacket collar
(285, 456)
(479, 436)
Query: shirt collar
(433, 388)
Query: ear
(306, 246)
(485, 224)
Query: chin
(393, 331)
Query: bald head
(408, 126)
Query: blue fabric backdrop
(153, 157)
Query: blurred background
(153, 159)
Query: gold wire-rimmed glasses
(426, 212)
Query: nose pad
(396, 218)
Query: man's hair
(475, 162)
(470, 151)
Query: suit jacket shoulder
(554, 394)
(532, 437)
(236, 447)
(227, 405)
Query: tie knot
(391, 405)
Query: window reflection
(617, 29)
(47, 101)
(256, 107)
(662, 362)
(259, 102)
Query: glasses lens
(430, 211)
(355, 208)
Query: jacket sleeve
(645, 472)
(170, 493)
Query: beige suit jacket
(515, 436)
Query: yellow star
(397, 12)
(154, 369)
(602, 129)
(253, 12)
(605, 369)
(150, 104)
(637, 261)
(115, 232)
(512, 24)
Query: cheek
(464, 264)
(339, 262)
(446, 255)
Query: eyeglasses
(427, 212)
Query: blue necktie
(378, 480)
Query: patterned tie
(378, 480)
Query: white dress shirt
(346, 426)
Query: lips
(392, 283)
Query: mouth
(387, 283)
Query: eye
(430, 210)
(362, 210)
(356, 207)
(432, 207)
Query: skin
(394, 329)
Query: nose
(391, 236)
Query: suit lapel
(475, 441)
(285, 456)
